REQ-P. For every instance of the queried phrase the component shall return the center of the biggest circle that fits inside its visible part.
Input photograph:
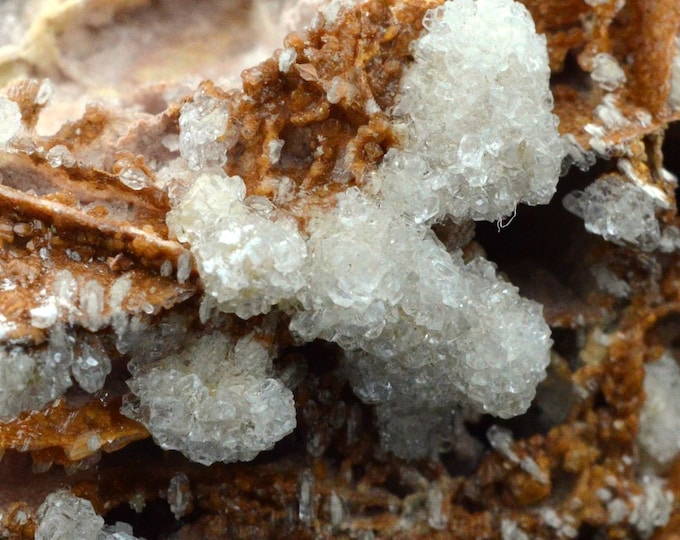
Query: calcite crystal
(355, 261)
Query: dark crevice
(572, 75)
(154, 522)
(671, 155)
(540, 237)
(566, 344)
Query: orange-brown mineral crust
(329, 107)
(577, 459)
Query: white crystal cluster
(607, 72)
(423, 330)
(620, 212)
(659, 433)
(30, 380)
(645, 511)
(421, 326)
(674, 99)
(214, 400)
(203, 122)
(63, 516)
(652, 508)
(10, 120)
(248, 259)
(476, 102)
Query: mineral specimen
(367, 274)
(296, 265)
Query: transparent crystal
(214, 400)
(59, 155)
(619, 211)
(179, 494)
(63, 516)
(134, 178)
(91, 367)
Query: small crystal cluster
(619, 211)
(423, 330)
(259, 257)
(659, 433)
(30, 380)
(10, 120)
(63, 516)
(215, 400)
(202, 124)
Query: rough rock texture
(329, 194)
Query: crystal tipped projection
(214, 401)
(476, 102)
(202, 124)
(423, 330)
